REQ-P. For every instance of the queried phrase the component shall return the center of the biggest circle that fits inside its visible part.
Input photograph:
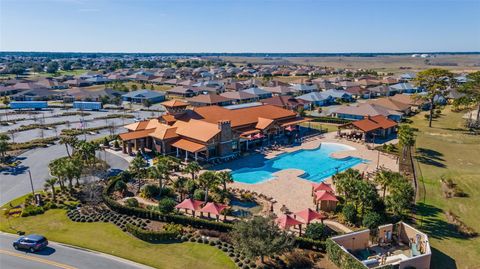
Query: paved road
(58, 256)
(15, 184)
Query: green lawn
(108, 238)
(447, 149)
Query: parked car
(32, 243)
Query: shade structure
(213, 208)
(308, 215)
(190, 204)
(325, 196)
(322, 187)
(286, 222)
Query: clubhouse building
(211, 132)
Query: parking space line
(36, 259)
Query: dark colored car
(32, 243)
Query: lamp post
(31, 182)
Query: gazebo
(190, 204)
(213, 208)
(308, 215)
(322, 186)
(325, 200)
(286, 221)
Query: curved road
(58, 256)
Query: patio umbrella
(213, 208)
(308, 215)
(190, 204)
(285, 222)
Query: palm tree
(436, 82)
(160, 171)
(192, 168)
(207, 181)
(225, 177)
(50, 183)
(345, 182)
(4, 146)
(384, 179)
(406, 138)
(69, 140)
(181, 186)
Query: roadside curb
(101, 254)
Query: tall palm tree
(50, 183)
(345, 182)
(181, 186)
(160, 171)
(207, 181)
(384, 179)
(406, 138)
(192, 168)
(225, 177)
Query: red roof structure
(213, 208)
(286, 222)
(325, 196)
(308, 215)
(322, 187)
(190, 204)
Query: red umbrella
(308, 215)
(325, 196)
(322, 187)
(286, 222)
(189, 204)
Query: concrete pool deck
(289, 189)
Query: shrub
(120, 186)
(168, 192)
(150, 191)
(316, 231)
(210, 233)
(174, 228)
(151, 236)
(166, 205)
(116, 144)
(372, 220)
(31, 210)
(199, 194)
(350, 213)
(131, 202)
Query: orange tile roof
(135, 134)
(188, 145)
(140, 125)
(210, 99)
(197, 129)
(164, 133)
(169, 118)
(242, 116)
(373, 123)
(263, 123)
(174, 103)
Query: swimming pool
(317, 164)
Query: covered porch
(184, 148)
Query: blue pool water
(317, 164)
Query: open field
(379, 63)
(448, 150)
(108, 238)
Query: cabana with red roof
(214, 208)
(286, 221)
(370, 127)
(322, 186)
(190, 204)
(325, 201)
(308, 215)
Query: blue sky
(240, 25)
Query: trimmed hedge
(151, 236)
(156, 215)
(307, 243)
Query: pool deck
(289, 189)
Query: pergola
(286, 221)
(321, 187)
(214, 208)
(190, 204)
(308, 215)
(325, 200)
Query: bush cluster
(118, 219)
(32, 210)
(152, 236)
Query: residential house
(209, 100)
(287, 102)
(240, 97)
(317, 98)
(141, 96)
(260, 92)
(356, 112)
